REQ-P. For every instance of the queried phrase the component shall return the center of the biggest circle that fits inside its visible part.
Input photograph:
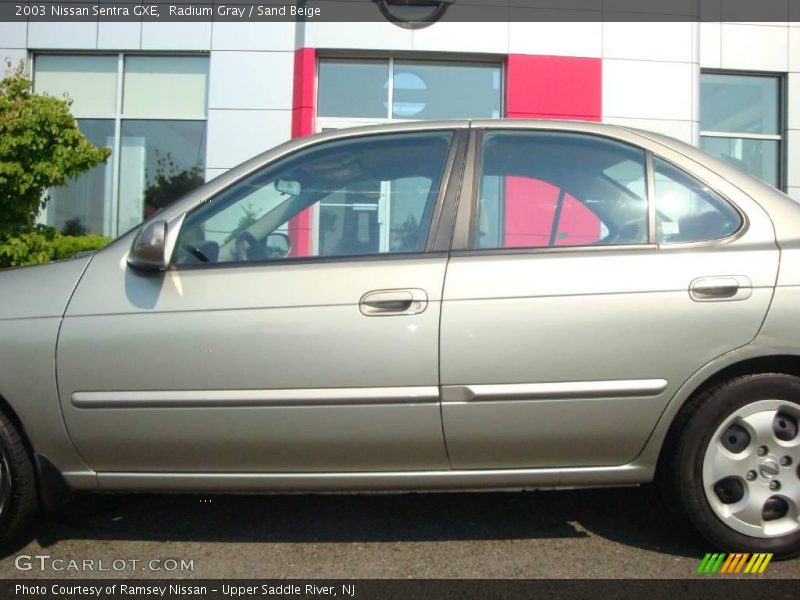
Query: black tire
(19, 500)
(680, 471)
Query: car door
(589, 279)
(247, 355)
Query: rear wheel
(18, 498)
(732, 464)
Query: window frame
(464, 235)
(119, 117)
(439, 235)
(324, 123)
(780, 137)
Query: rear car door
(589, 278)
(268, 346)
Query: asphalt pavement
(604, 533)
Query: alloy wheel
(751, 469)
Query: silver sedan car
(439, 305)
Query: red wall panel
(577, 225)
(530, 206)
(305, 67)
(554, 87)
(530, 210)
(549, 87)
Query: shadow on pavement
(628, 516)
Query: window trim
(452, 176)
(780, 137)
(650, 192)
(463, 243)
(307, 260)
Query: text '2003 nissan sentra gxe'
(438, 305)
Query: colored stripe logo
(737, 562)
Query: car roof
(541, 124)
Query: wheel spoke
(725, 464)
(761, 424)
(790, 487)
(751, 511)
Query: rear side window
(548, 189)
(688, 211)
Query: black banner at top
(402, 11)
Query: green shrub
(66, 246)
(31, 248)
(44, 244)
(40, 147)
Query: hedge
(45, 244)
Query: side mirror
(278, 245)
(149, 248)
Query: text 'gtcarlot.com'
(44, 562)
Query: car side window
(547, 189)
(369, 195)
(688, 211)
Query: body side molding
(568, 390)
(266, 398)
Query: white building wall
(650, 70)
(13, 43)
(651, 77)
(556, 39)
(793, 114)
(252, 113)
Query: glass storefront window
(165, 86)
(431, 90)
(89, 81)
(740, 122)
(759, 157)
(84, 204)
(156, 131)
(408, 89)
(739, 103)
(160, 161)
(353, 88)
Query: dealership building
(182, 102)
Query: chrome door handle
(720, 289)
(380, 303)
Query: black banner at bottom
(711, 588)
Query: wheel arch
(51, 486)
(782, 363)
(8, 411)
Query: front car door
(590, 277)
(267, 349)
